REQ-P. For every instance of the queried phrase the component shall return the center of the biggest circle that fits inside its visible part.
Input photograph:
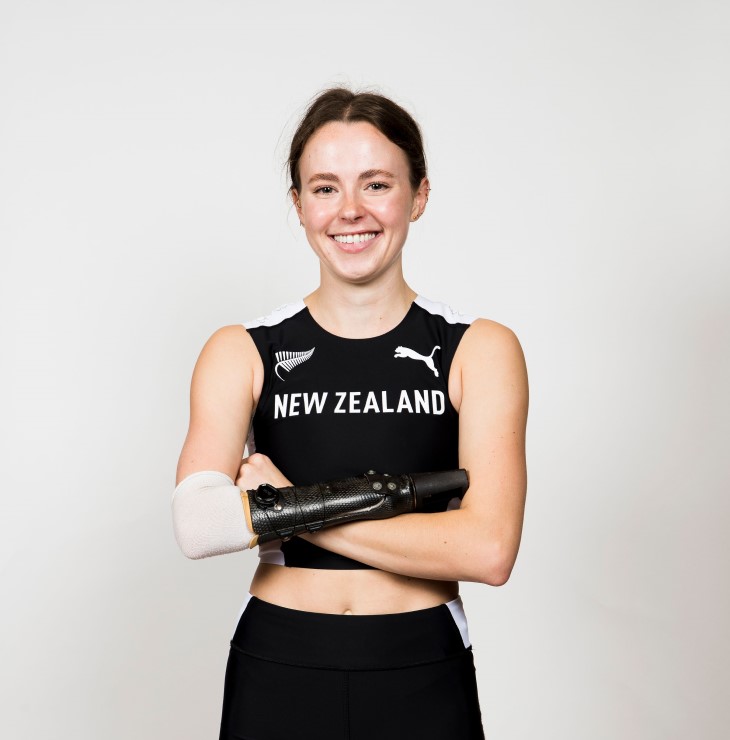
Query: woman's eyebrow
(375, 173)
(324, 176)
(331, 177)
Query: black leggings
(311, 676)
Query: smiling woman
(357, 627)
(348, 207)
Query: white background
(580, 162)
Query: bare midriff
(348, 591)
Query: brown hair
(341, 104)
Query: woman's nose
(351, 207)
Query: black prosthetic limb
(282, 513)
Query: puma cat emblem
(413, 355)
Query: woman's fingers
(257, 469)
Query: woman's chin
(358, 268)
(348, 273)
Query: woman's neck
(360, 311)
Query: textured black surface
(309, 508)
(298, 509)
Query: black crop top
(333, 407)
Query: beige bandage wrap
(208, 516)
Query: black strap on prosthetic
(282, 513)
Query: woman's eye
(324, 190)
(376, 186)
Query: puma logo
(413, 355)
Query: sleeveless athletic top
(333, 407)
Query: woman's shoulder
(234, 339)
(487, 344)
(234, 345)
(229, 363)
(480, 330)
(489, 330)
(476, 335)
(229, 346)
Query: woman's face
(356, 201)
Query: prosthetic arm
(281, 513)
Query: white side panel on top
(441, 309)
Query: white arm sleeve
(208, 516)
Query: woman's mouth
(354, 243)
(355, 238)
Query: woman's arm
(478, 542)
(208, 514)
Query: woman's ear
(296, 200)
(420, 199)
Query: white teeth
(354, 238)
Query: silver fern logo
(289, 360)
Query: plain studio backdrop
(580, 166)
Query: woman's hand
(257, 469)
